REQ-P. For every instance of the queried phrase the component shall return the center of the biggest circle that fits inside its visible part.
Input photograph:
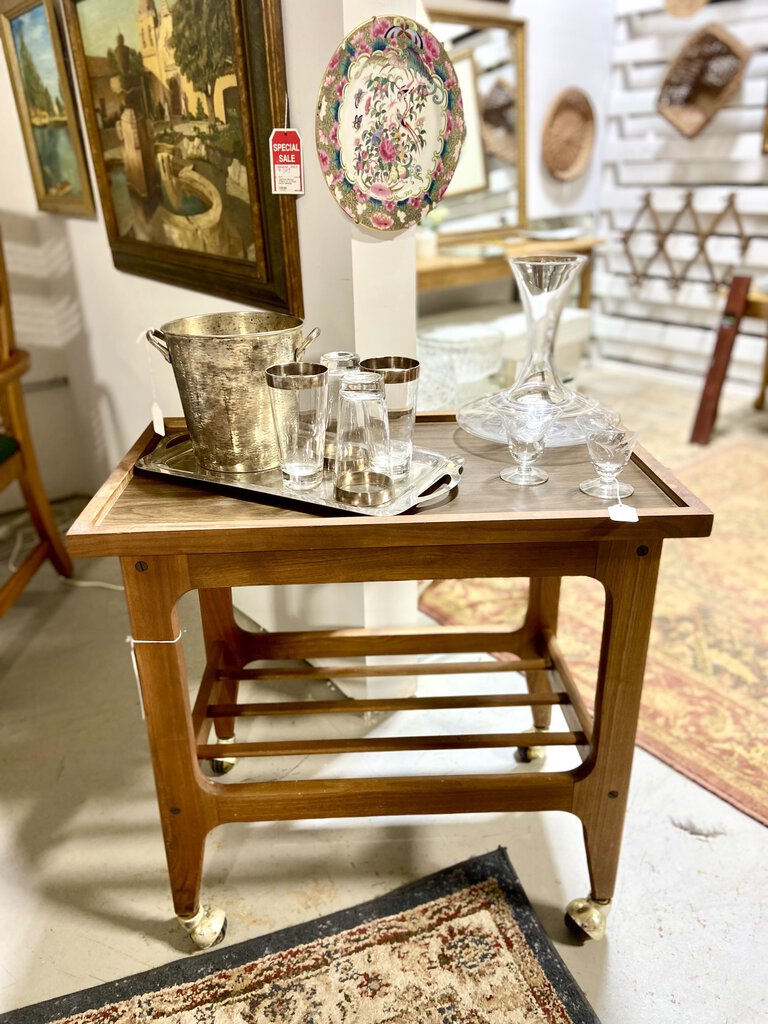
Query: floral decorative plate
(390, 123)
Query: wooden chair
(18, 461)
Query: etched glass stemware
(526, 424)
(610, 448)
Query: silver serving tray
(432, 481)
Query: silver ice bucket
(218, 361)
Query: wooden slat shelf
(373, 671)
(302, 748)
(389, 704)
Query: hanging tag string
(620, 512)
(157, 413)
(130, 640)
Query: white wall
(568, 43)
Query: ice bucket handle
(303, 345)
(157, 340)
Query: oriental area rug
(460, 947)
(705, 700)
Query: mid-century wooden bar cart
(173, 538)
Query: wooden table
(455, 267)
(172, 539)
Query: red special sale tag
(286, 162)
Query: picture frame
(179, 102)
(471, 174)
(47, 113)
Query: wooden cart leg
(223, 646)
(153, 586)
(629, 572)
(541, 615)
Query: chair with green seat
(18, 462)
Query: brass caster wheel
(207, 927)
(525, 755)
(222, 765)
(587, 917)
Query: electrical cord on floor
(18, 544)
(102, 584)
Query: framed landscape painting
(46, 111)
(179, 101)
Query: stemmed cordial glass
(526, 425)
(610, 448)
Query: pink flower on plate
(415, 202)
(390, 204)
(387, 150)
(334, 60)
(340, 86)
(381, 221)
(441, 193)
(380, 191)
(337, 178)
(380, 27)
(360, 43)
(438, 172)
(449, 83)
(360, 196)
(448, 123)
(368, 105)
(431, 47)
(334, 136)
(325, 163)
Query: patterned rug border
(490, 866)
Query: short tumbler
(363, 467)
(298, 393)
(338, 364)
(401, 383)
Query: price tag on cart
(286, 161)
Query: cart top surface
(132, 513)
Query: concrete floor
(84, 896)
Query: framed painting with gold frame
(47, 114)
(179, 102)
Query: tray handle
(442, 490)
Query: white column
(384, 301)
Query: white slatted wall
(652, 323)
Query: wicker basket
(569, 135)
(701, 78)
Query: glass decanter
(543, 283)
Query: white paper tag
(285, 159)
(157, 419)
(623, 513)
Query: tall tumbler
(401, 382)
(338, 364)
(363, 468)
(298, 393)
